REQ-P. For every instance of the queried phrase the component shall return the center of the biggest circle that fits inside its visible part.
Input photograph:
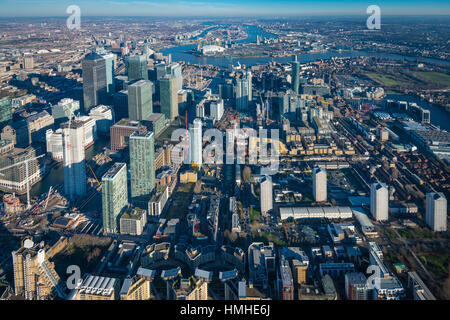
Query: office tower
(34, 276)
(65, 109)
(28, 62)
(379, 201)
(241, 92)
(248, 77)
(266, 196)
(109, 67)
(137, 68)
(295, 75)
(114, 196)
(169, 96)
(175, 70)
(142, 164)
(5, 112)
(436, 211)
(121, 131)
(319, 184)
(216, 110)
(196, 143)
(356, 287)
(74, 159)
(146, 51)
(94, 80)
(200, 110)
(120, 104)
(140, 102)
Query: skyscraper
(109, 63)
(241, 92)
(74, 159)
(114, 196)
(169, 96)
(379, 201)
(137, 68)
(142, 165)
(295, 75)
(34, 276)
(216, 108)
(436, 211)
(266, 194)
(140, 102)
(5, 112)
(175, 70)
(320, 184)
(196, 143)
(94, 80)
(248, 77)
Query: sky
(219, 8)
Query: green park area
(255, 215)
(436, 77)
(386, 80)
(181, 201)
(436, 263)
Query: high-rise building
(74, 159)
(216, 110)
(109, 63)
(248, 77)
(140, 102)
(379, 201)
(436, 211)
(266, 194)
(114, 196)
(295, 75)
(196, 143)
(94, 80)
(34, 276)
(356, 287)
(137, 68)
(5, 112)
(28, 62)
(142, 165)
(241, 91)
(319, 184)
(169, 96)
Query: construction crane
(99, 184)
(48, 196)
(26, 173)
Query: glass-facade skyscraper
(94, 80)
(142, 166)
(296, 76)
(169, 96)
(140, 102)
(114, 196)
(137, 68)
(5, 112)
(73, 137)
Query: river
(181, 53)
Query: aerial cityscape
(240, 150)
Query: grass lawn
(181, 201)
(436, 77)
(254, 214)
(437, 263)
(386, 80)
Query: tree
(247, 174)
